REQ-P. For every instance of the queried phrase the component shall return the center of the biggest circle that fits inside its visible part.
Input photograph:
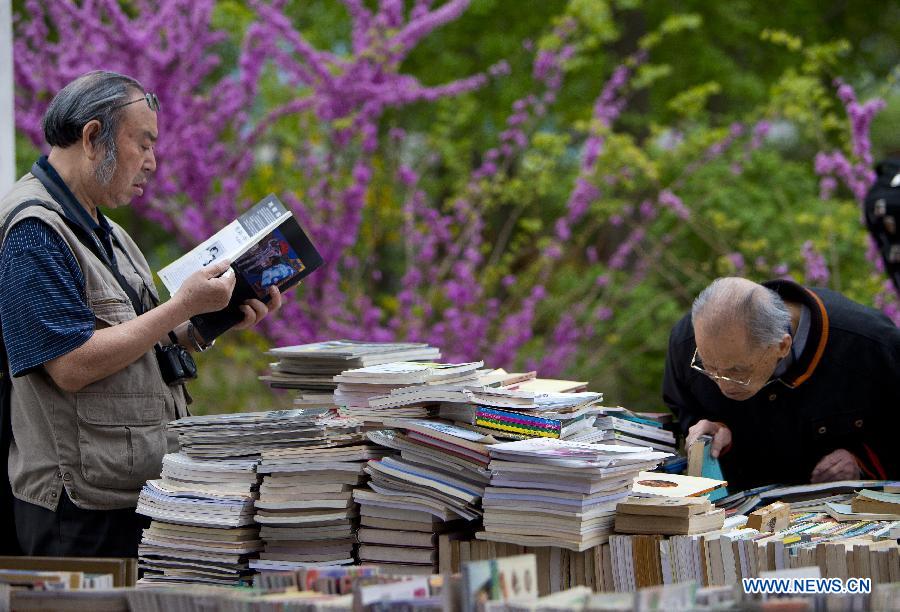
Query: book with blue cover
(702, 463)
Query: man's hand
(720, 433)
(255, 310)
(206, 290)
(839, 465)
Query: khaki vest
(103, 442)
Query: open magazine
(266, 246)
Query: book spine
(516, 425)
(517, 418)
(636, 419)
(522, 433)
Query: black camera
(175, 363)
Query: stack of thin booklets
(440, 474)
(392, 390)
(210, 488)
(668, 516)
(626, 427)
(518, 414)
(247, 434)
(403, 541)
(550, 492)
(311, 368)
(306, 506)
(202, 529)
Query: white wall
(7, 120)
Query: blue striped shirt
(43, 307)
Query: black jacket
(843, 391)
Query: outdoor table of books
(484, 489)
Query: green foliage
(709, 64)
(228, 378)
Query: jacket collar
(806, 363)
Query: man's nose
(727, 385)
(150, 161)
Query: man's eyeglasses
(696, 364)
(151, 99)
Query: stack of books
(877, 502)
(202, 529)
(311, 368)
(660, 484)
(305, 504)
(400, 389)
(398, 541)
(807, 497)
(519, 414)
(668, 516)
(627, 427)
(440, 474)
(247, 434)
(550, 492)
(866, 505)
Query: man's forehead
(140, 121)
(729, 342)
(730, 331)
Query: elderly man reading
(796, 385)
(95, 360)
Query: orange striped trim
(823, 340)
(879, 469)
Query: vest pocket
(110, 309)
(121, 438)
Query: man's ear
(89, 135)
(784, 347)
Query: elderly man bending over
(796, 385)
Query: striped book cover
(517, 422)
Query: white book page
(230, 242)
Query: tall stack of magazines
(306, 506)
(551, 492)
(203, 528)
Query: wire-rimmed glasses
(697, 364)
(150, 98)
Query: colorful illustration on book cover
(272, 261)
(657, 483)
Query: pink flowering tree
(854, 170)
(571, 248)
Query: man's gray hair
(94, 95)
(729, 301)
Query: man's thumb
(216, 268)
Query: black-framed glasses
(150, 98)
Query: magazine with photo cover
(266, 246)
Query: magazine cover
(267, 248)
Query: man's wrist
(196, 341)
